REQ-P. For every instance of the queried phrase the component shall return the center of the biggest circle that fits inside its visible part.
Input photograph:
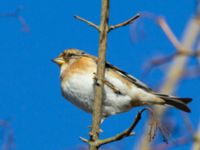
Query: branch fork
(103, 29)
(181, 49)
(129, 131)
(110, 28)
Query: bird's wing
(132, 79)
(127, 76)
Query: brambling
(122, 91)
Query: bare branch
(125, 133)
(198, 7)
(124, 23)
(196, 145)
(188, 123)
(175, 72)
(84, 140)
(8, 138)
(100, 73)
(87, 22)
(191, 72)
(11, 14)
(128, 132)
(157, 62)
(16, 14)
(103, 28)
(179, 141)
(25, 27)
(167, 30)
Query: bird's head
(68, 55)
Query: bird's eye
(70, 55)
(67, 56)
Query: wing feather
(132, 79)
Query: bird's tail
(180, 103)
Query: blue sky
(30, 94)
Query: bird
(122, 91)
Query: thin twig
(188, 123)
(11, 14)
(191, 72)
(87, 22)
(16, 14)
(84, 140)
(171, 36)
(157, 62)
(127, 132)
(179, 141)
(25, 27)
(8, 138)
(124, 23)
(165, 27)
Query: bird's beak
(59, 61)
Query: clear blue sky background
(30, 97)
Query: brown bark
(99, 86)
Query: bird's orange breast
(79, 66)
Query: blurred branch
(155, 62)
(180, 49)
(167, 30)
(128, 132)
(188, 124)
(16, 14)
(184, 139)
(175, 72)
(8, 138)
(192, 72)
(198, 7)
(196, 145)
(158, 61)
(177, 142)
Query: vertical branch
(177, 67)
(196, 145)
(104, 28)
(175, 72)
(99, 88)
(16, 14)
